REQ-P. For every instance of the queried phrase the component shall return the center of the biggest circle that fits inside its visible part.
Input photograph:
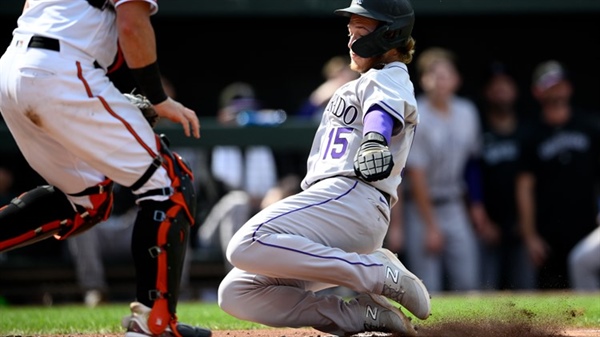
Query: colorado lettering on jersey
(563, 142)
(339, 108)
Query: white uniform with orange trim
(71, 123)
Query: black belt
(43, 42)
(442, 200)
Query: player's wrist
(376, 137)
(149, 82)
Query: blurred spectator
(241, 177)
(504, 262)
(233, 210)
(6, 190)
(252, 168)
(7, 180)
(106, 242)
(557, 187)
(336, 72)
(286, 186)
(441, 244)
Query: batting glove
(373, 160)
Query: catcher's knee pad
(182, 190)
(45, 211)
(160, 240)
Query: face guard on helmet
(397, 19)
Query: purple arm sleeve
(377, 120)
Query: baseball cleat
(137, 325)
(381, 316)
(404, 287)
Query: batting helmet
(397, 19)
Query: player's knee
(238, 256)
(228, 300)
(224, 298)
(237, 252)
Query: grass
(577, 310)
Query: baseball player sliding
(81, 134)
(332, 232)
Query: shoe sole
(392, 258)
(386, 304)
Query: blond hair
(407, 52)
(432, 56)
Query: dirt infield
(443, 330)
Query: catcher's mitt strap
(156, 163)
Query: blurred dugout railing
(292, 134)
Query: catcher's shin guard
(45, 211)
(160, 241)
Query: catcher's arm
(138, 44)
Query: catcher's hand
(373, 160)
(142, 103)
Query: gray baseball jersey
(322, 236)
(442, 147)
(341, 130)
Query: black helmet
(396, 16)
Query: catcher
(80, 134)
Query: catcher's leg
(160, 241)
(45, 211)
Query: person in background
(557, 183)
(504, 262)
(253, 168)
(234, 209)
(336, 72)
(7, 180)
(440, 239)
(242, 175)
(106, 242)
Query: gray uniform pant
(310, 241)
(458, 263)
